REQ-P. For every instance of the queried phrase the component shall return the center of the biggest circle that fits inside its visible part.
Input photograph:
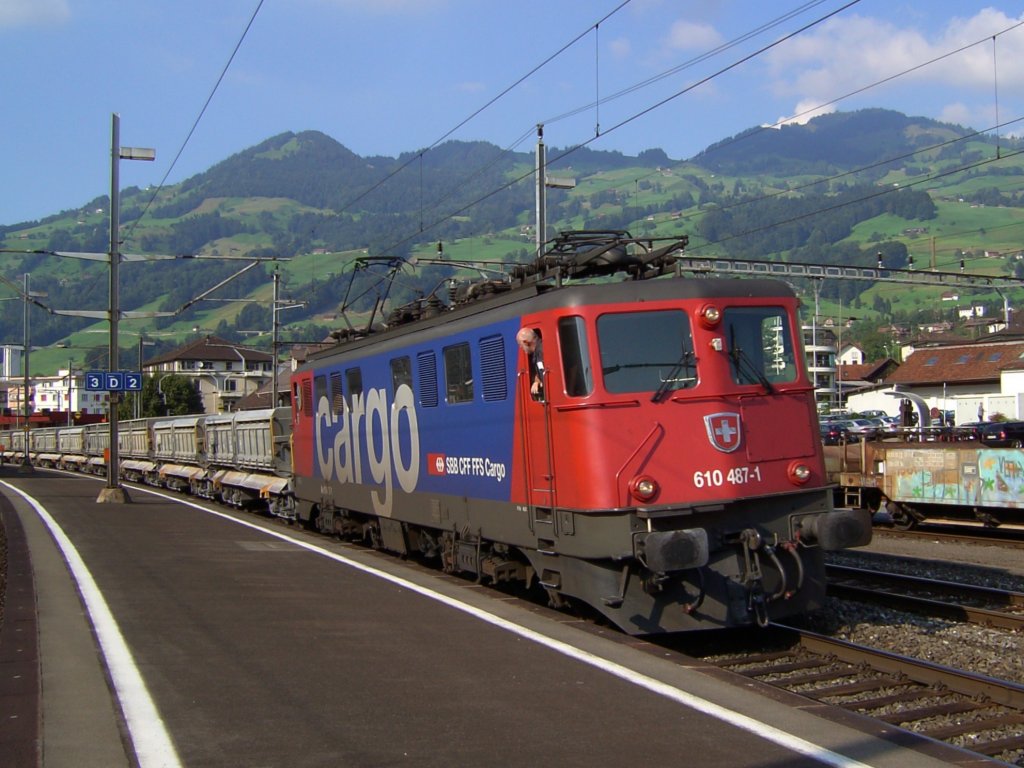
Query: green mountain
(840, 189)
(870, 139)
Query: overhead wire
(647, 110)
(686, 64)
(845, 203)
(853, 171)
(349, 203)
(869, 86)
(199, 117)
(747, 135)
(597, 102)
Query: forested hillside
(840, 189)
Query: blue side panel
(415, 440)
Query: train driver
(530, 342)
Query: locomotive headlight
(709, 315)
(799, 473)
(644, 488)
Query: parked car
(865, 429)
(872, 414)
(834, 433)
(891, 424)
(1003, 434)
(969, 431)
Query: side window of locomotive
(401, 373)
(575, 349)
(646, 351)
(759, 345)
(353, 384)
(337, 396)
(458, 374)
(319, 389)
(426, 365)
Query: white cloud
(853, 52)
(16, 13)
(805, 111)
(959, 114)
(620, 48)
(690, 36)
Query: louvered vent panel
(426, 363)
(492, 363)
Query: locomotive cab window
(575, 351)
(759, 345)
(646, 351)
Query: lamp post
(138, 396)
(28, 296)
(273, 341)
(279, 306)
(839, 352)
(26, 464)
(114, 492)
(71, 388)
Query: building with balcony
(223, 372)
(820, 345)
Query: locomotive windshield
(760, 345)
(646, 351)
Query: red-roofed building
(223, 372)
(960, 377)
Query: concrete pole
(114, 492)
(26, 463)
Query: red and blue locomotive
(653, 455)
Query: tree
(166, 396)
(872, 342)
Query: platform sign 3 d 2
(113, 381)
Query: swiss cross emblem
(723, 431)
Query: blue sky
(391, 76)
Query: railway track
(1010, 538)
(987, 606)
(965, 710)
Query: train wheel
(902, 518)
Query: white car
(865, 429)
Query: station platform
(167, 632)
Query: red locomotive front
(688, 413)
(646, 408)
